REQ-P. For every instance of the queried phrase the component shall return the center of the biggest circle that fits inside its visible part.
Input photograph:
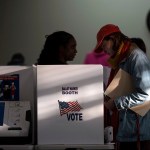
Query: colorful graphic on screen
(9, 87)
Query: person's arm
(138, 66)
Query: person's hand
(109, 104)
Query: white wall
(24, 23)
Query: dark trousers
(144, 145)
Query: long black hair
(50, 53)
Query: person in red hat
(132, 130)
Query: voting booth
(70, 105)
(52, 107)
(17, 96)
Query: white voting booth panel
(16, 106)
(78, 147)
(70, 104)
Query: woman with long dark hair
(59, 48)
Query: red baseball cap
(103, 32)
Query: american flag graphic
(66, 107)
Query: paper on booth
(122, 85)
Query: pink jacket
(96, 58)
